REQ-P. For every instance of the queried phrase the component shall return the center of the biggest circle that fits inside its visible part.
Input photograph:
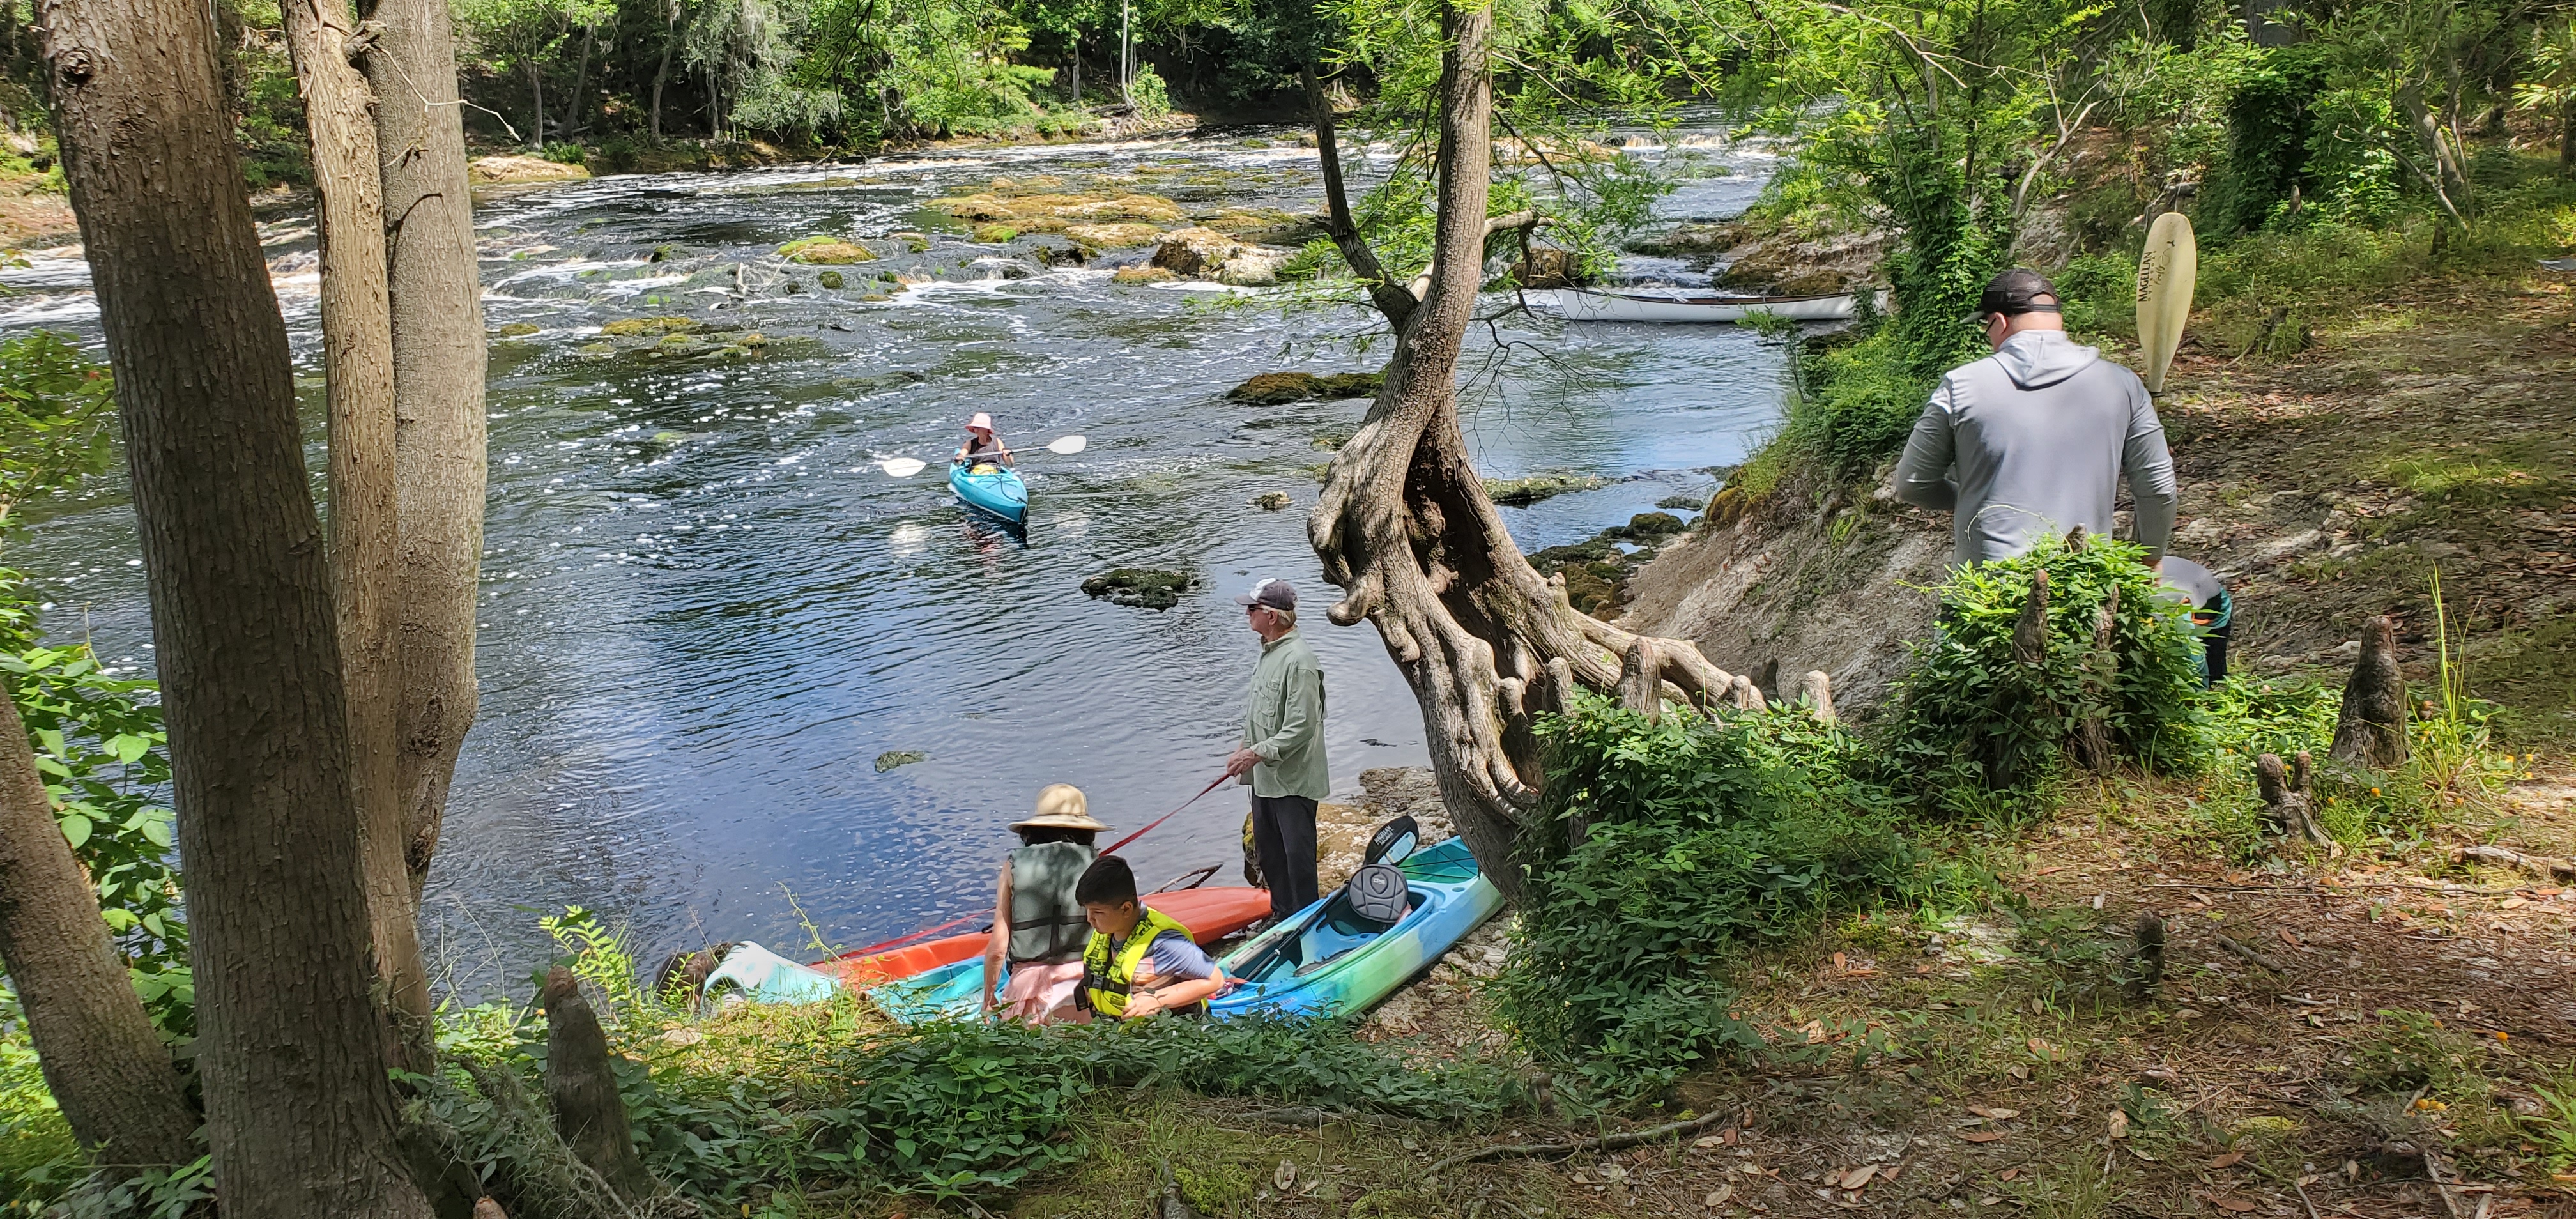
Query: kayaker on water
(1139, 960)
(1038, 926)
(1282, 756)
(2033, 439)
(982, 443)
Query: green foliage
(105, 758)
(1971, 716)
(1854, 400)
(600, 955)
(946, 1109)
(1702, 840)
(1153, 99)
(37, 1154)
(57, 412)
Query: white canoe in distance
(1580, 305)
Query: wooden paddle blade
(2167, 269)
(1068, 445)
(903, 467)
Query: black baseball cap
(2016, 292)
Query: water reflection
(706, 612)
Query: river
(707, 614)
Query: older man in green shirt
(1282, 757)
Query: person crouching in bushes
(1038, 926)
(1140, 960)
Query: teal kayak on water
(992, 488)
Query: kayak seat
(1345, 928)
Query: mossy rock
(1271, 501)
(1142, 275)
(518, 330)
(679, 345)
(876, 296)
(637, 327)
(1653, 524)
(918, 243)
(1522, 492)
(829, 279)
(899, 757)
(825, 251)
(1276, 388)
(1113, 236)
(1153, 588)
(1687, 503)
(596, 351)
(995, 234)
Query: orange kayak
(1211, 914)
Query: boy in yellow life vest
(1139, 960)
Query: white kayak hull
(1578, 305)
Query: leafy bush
(1701, 840)
(57, 408)
(104, 756)
(958, 1108)
(1854, 402)
(1972, 716)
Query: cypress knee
(2371, 730)
(2030, 635)
(583, 1083)
(2093, 744)
(1817, 690)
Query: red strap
(1113, 847)
(926, 933)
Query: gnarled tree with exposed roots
(1406, 530)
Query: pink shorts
(1041, 994)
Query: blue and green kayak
(1325, 960)
(992, 488)
(1328, 960)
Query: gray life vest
(1047, 926)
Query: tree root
(1607, 1142)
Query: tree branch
(1394, 302)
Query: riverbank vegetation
(2042, 931)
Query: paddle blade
(1068, 445)
(2167, 269)
(903, 467)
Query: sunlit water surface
(706, 614)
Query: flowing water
(707, 614)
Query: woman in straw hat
(982, 442)
(1037, 926)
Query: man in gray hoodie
(2032, 440)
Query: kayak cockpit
(1324, 937)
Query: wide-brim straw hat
(1060, 807)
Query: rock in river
(1152, 588)
(1277, 388)
(899, 757)
(512, 171)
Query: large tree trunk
(102, 1059)
(357, 351)
(299, 1112)
(1404, 527)
(439, 463)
